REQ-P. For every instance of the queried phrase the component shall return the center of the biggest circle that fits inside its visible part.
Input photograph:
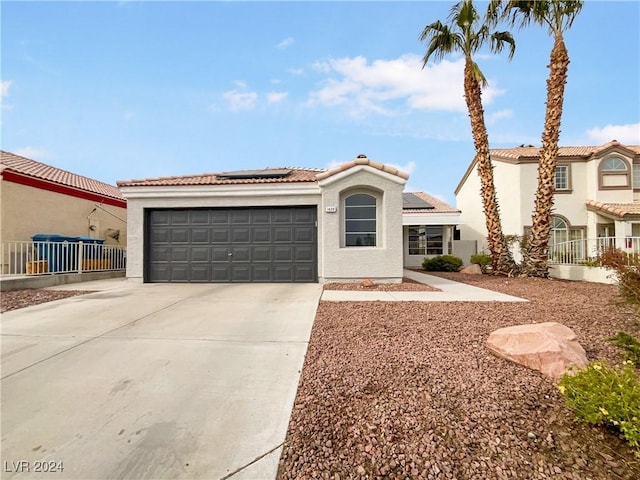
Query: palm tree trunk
(536, 256)
(502, 260)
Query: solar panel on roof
(413, 201)
(274, 173)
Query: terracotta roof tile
(619, 210)
(296, 175)
(578, 151)
(363, 160)
(42, 171)
(439, 205)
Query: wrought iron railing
(47, 258)
(587, 251)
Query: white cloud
(4, 88)
(287, 42)
(499, 115)
(628, 134)
(238, 100)
(392, 86)
(295, 71)
(275, 97)
(4, 92)
(32, 153)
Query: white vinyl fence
(45, 258)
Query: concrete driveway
(154, 381)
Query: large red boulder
(550, 347)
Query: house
(277, 225)
(41, 199)
(597, 193)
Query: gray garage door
(275, 244)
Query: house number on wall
(331, 209)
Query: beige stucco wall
(384, 261)
(146, 198)
(26, 211)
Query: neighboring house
(597, 193)
(274, 225)
(41, 199)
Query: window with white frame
(561, 232)
(360, 214)
(425, 240)
(561, 177)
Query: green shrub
(481, 259)
(442, 263)
(628, 343)
(627, 268)
(606, 396)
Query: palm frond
(499, 40)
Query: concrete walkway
(450, 292)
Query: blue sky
(122, 90)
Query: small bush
(443, 263)
(481, 259)
(606, 396)
(627, 268)
(628, 343)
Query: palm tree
(467, 33)
(557, 16)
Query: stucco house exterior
(36, 198)
(271, 225)
(597, 193)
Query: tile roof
(439, 205)
(31, 168)
(363, 160)
(579, 151)
(619, 210)
(296, 175)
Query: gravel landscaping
(407, 285)
(14, 299)
(408, 390)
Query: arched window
(360, 216)
(614, 173)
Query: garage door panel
(239, 217)
(282, 234)
(261, 254)
(241, 254)
(219, 217)
(200, 254)
(219, 254)
(261, 234)
(261, 216)
(200, 235)
(180, 254)
(304, 253)
(303, 234)
(180, 217)
(271, 244)
(220, 273)
(199, 273)
(200, 217)
(283, 273)
(261, 273)
(304, 273)
(180, 273)
(180, 235)
(220, 235)
(241, 273)
(160, 235)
